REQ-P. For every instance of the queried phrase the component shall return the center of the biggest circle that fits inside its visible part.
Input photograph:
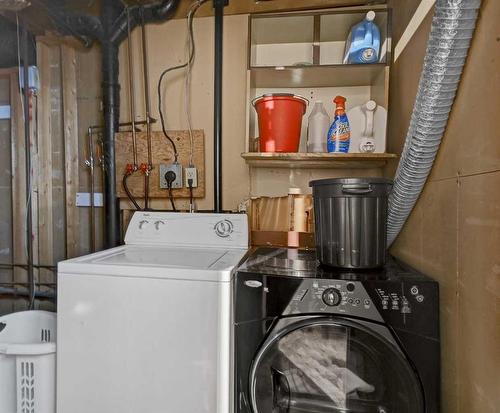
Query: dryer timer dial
(332, 297)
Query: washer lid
(141, 261)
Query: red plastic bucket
(280, 121)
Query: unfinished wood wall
(71, 75)
(66, 103)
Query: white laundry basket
(28, 362)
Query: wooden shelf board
(317, 160)
(315, 76)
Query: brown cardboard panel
(402, 12)
(429, 242)
(405, 75)
(471, 143)
(438, 204)
(409, 244)
(479, 294)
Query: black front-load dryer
(315, 340)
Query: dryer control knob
(332, 297)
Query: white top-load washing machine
(146, 327)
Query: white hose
(451, 33)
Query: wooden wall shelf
(316, 76)
(317, 160)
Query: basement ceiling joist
(38, 20)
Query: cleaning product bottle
(319, 123)
(339, 135)
(363, 42)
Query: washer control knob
(157, 224)
(142, 223)
(224, 228)
(332, 297)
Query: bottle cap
(370, 16)
(340, 101)
(371, 105)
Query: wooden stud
(45, 200)
(70, 122)
(18, 179)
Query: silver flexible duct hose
(451, 33)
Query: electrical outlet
(191, 174)
(177, 169)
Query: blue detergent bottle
(363, 43)
(339, 135)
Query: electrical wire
(31, 304)
(129, 194)
(194, 7)
(191, 197)
(171, 197)
(19, 64)
(190, 46)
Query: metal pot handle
(357, 189)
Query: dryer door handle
(281, 392)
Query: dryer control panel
(333, 297)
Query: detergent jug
(363, 42)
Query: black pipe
(111, 113)
(27, 143)
(152, 13)
(219, 30)
(111, 29)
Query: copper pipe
(131, 93)
(90, 162)
(147, 99)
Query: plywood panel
(162, 154)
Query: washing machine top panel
(209, 264)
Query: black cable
(129, 195)
(191, 196)
(171, 196)
(170, 69)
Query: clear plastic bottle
(319, 123)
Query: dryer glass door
(333, 365)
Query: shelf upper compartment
(316, 76)
(317, 160)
